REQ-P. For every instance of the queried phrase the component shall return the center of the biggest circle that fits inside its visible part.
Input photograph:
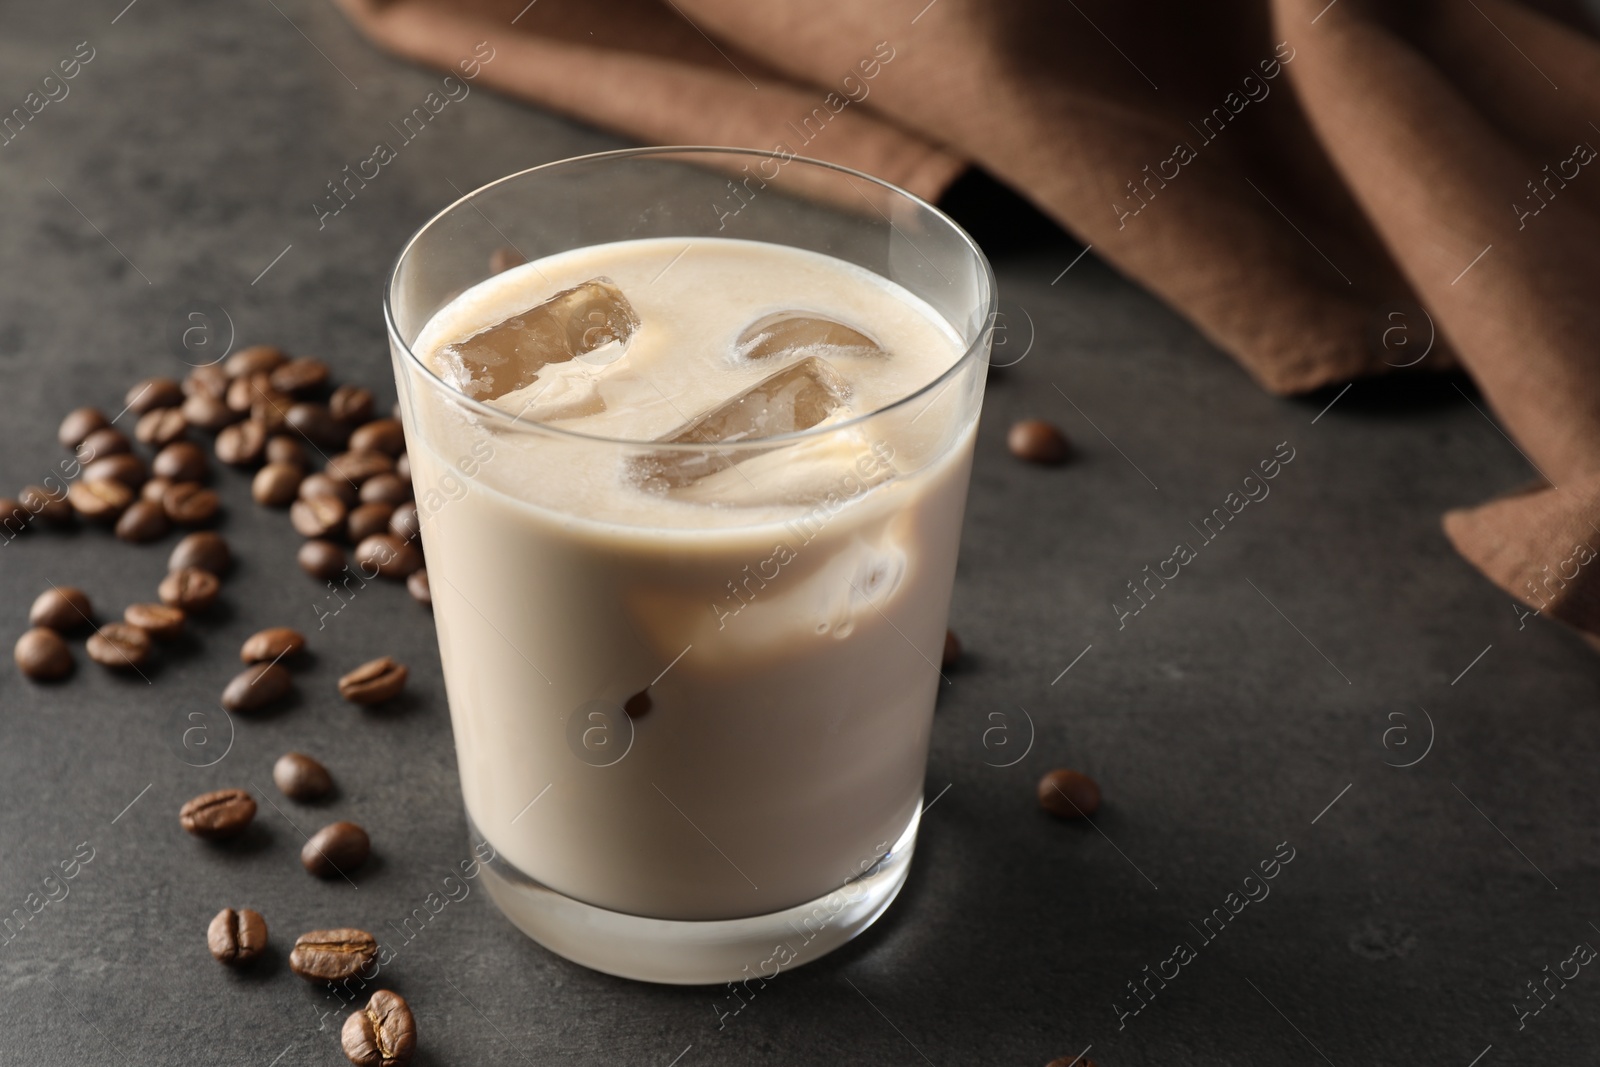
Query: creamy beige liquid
(785, 615)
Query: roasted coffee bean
(271, 409)
(351, 404)
(155, 490)
(332, 955)
(276, 484)
(382, 1034)
(284, 449)
(42, 655)
(301, 778)
(1069, 794)
(242, 443)
(320, 516)
(388, 489)
(258, 686)
(368, 519)
(63, 608)
(316, 424)
(208, 412)
(161, 427)
(120, 646)
(338, 848)
(402, 466)
(254, 359)
(388, 555)
(154, 393)
(373, 682)
(142, 522)
(380, 435)
(43, 504)
(1070, 1061)
(321, 559)
(236, 936)
(106, 441)
(210, 380)
(99, 501)
(1038, 441)
(219, 815)
(271, 645)
(952, 650)
(191, 504)
(122, 467)
(242, 392)
(157, 620)
(181, 461)
(78, 425)
(300, 375)
(13, 516)
(205, 550)
(191, 589)
(404, 524)
(357, 467)
(639, 704)
(504, 258)
(319, 484)
(417, 585)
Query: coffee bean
(14, 517)
(1068, 794)
(270, 408)
(153, 394)
(321, 559)
(142, 522)
(181, 461)
(1038, 441)
(106, 441)
(204, 550)
(99, 501)
(208, 412)
(283, 449)
(42, 655)
(388, 489)
(300, 376)
(417, 585)
(504, 258)
(316, 424)
(256, 687)
(191, 589)
(155, 490)
(382, 1034)
(210, 380)
(62, 608)
(271, 645)
(161, 427)
(242, 392)
(373, 682)
(368, 519)
(952, 650)
(254, 359)
(157, 620)
(318, 517)
(218, 815)
(338, 848)
(402, 466)
(191, 504)
(380, 435)
(405, 524)
(639, 704)
(78, 425)
(120, 646)
(319, 484)
(1070, 1061)
(41, 503)
(351, 404)
(357, 467)
(276, 484)
(301, 778)
(236, 936)
(388, 555)
(332, 955)
(122, 467)
(242, 443)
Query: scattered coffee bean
(154, 393)
(122, 467)
(208, 412)
(300, 375)
(316, 424)
(319, 484)
(301, 778)
(351, 404)
(373, 682)
(157, 620)
(42, 655)
(143, 522)
(218, 815)
(270, 408)
(388, 489)
(209, 380)
(236, 937)
(388, 555)
(204, 550)
(332, 955)
(242, 392)
(639, 704)
(242, 443)
(120, 646)
(13, 516)
(338, 848)
(191, 589)
(283, 449)
(367, 520)
(181, 461)
(42, 503)
(254, 359)
(402, 466)
(1069, 794)
(99, 501)
(321, 559)
(504, 258)
(380, 435)
(191, 504)
(1070, 1061)
(382, 1034)
(417, 585)
(62, 608)
(78, 425)
(161, 427)
(405, 524)
(258, 686)
(357, 467)
(155, 490)
(1038, 441)
(276, 484)
(271, 645)
(106, 441)
(952, 650)
(319, 516)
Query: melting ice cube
(796, 332)
(510, 354)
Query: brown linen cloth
(1297, 177)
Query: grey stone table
(1257, 707)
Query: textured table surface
(1264, 696)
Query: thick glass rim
(991, 298)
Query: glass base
(679, 952)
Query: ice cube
(797, 332)
(795, 398)
(509, 355)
